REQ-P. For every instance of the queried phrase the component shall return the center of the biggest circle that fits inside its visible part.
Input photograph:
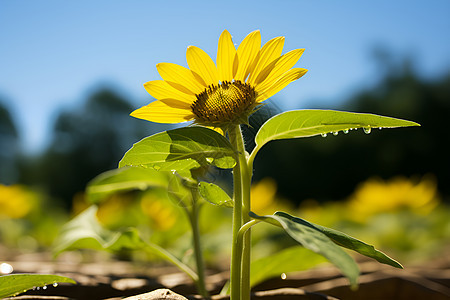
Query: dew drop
(380, 128)
(323, 134)
(5, 268)
(55, 284)
(336, 133)
(44, 287)
(38, 288)
(283, 276)
(367, 130)
(345, 131)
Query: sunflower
(222, 94)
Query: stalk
(236, 249)
(240, 252)
(194, 218)
(245, 272)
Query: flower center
(225, 103)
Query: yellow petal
(180, 76)
(160, 89)
(202, 64)
(246, 54)
(164, 111)
(217, 129)
(269, 52)
(277, 68)
(281, 83)
(226, 52)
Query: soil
(112, 279)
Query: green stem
(246, 227)
(236, 249)
(251, 157)
(194, 217)
(245, 271)
(240, 253)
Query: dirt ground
(106, 278)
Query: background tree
(9, 146)
(86, 142)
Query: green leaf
(12, 285)
(313, 239)
(180, 190)
(124, 179)
(348, 242)
(310, 122)
(191, 147)
(85, 232)
(291, 259)
(214, 194)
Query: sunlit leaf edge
(223, 156)
(327, 121)
(12, 285)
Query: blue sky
(54, 53)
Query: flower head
(222, 94)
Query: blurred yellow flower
(377, 196)
(163, 215)
(222, 94)
(16, 201)
(263, 197)
(115, 209)
(325, 214)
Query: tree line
(93, 138)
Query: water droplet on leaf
(283, 276)
(345, 131)
(55, 284)
(323, 134)
(336, 133)
(44, 287)
(367, 130)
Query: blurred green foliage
(404, 216)
(28, 218)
